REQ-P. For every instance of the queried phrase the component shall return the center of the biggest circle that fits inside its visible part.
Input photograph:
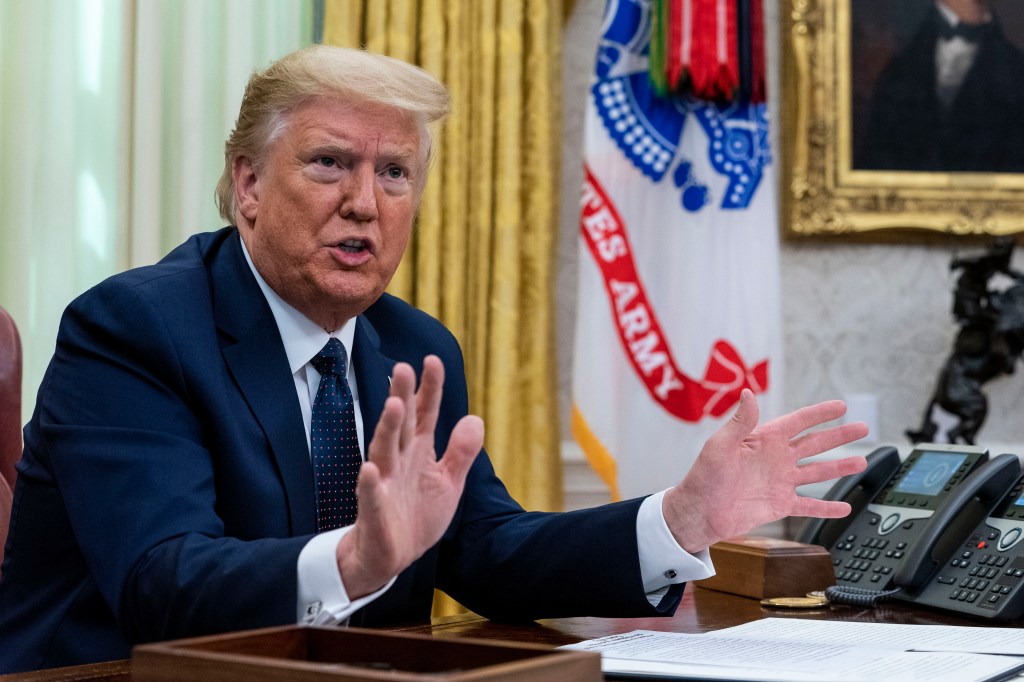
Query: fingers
(408, 413)
(817, 472)
(816, 442)
(428, 398)
(403, 387)
(423, 405)
(385, 445)
(464, 445)
(367, 486)
(822, 509)
(806, 417)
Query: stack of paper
(798, 650)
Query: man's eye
(395, 173)
(327, 162)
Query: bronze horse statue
(987, 345)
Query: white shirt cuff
(322, 596)
(662, 561)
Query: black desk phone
(942, 528)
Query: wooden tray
(317, 653)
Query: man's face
(969, 11)
(328, 216)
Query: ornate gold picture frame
(834, 56)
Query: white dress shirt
(322, 599)
(954, 57)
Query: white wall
(857, 318)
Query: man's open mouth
(353, 245)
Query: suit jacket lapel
(373, 376)
(255, 356)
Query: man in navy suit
(167, 490)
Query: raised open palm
(747, 474)
(407, 497)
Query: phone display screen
(1019, 502)
(930, 473)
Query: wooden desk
(701, 611)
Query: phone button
(1009, 538)
(889, 523)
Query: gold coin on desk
(795, 602)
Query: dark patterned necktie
(333, 441)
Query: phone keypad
(867, 561)
(984, 578)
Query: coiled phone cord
(857, 596)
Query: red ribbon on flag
(642, 337)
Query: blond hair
(324, 71)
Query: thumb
(744, 420)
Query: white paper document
(796, 650)
(978, 640)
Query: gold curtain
(482, 254)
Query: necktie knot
(330, 359)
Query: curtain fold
(113, 115)
(61, 163)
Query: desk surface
(701, 611)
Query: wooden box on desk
(316, 653)
(760, 567)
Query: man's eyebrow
(331, 147)
(396, 154)
(400, 154)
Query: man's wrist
(663, 561)
(687, 527)
(323, 596)
(358, 578)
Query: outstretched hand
(747, 474)
(407, 497)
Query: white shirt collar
(302, 337)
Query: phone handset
(858, 490)
(973, 498)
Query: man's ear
(247, 187)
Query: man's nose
(359, 195)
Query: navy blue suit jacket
(166, 488)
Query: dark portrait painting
(937, 85)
